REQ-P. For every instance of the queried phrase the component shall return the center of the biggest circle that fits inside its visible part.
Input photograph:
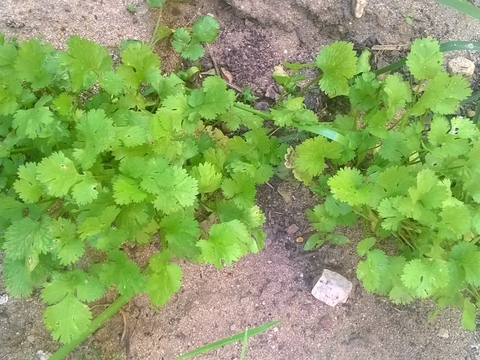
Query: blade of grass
(229, 340)
(326, 132)
(462, 6)
(244, 345)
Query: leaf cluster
(97, 157)
(409, 170)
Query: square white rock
(332, 288)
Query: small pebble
(443, 333)
(292, 229)
(67, 8)
(461, 66)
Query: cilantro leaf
(17, 277)
(425, 59)
(217, 98)
(364, 246)
(139, 65)
(469, 315)
(466, 257)
(240, 187)
(181, 232)
(33, 123)
(86, 60)
(338, 64)
(227, 242)
(425, 276)
(27, 186)
(391, 217)
(394, 147)
(67, 319)
(35, 63)
(182, 43)
(396, 93)
(69, 247)
(442, 95)
(364, 92)
(85, 191)
(95, 134)
(127, 191)
(208, 177)
(27, 238)
(166, 279)
(123, 273)
(348, 186)
(371, 270)
(137, 221)
(310, 157)
(205, 29)
(57, 173)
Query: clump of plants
(404, 163)
(96, 157)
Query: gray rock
(462, 66)
(332, 288)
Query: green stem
(262, 114)
(95, 324)
(154, 35)
(310, 84)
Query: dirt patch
(275, 284)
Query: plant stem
(309, 85)
(154, 35)
(95, 324)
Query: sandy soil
(275, 284)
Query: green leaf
(58, 174)
(35, 122)
(364, 92)
(241, 187)
(35, 63)
(85, 191)
(364, 246)
(139, 65)
(122, 273)
(348, 186)
(310, 157)
(394, 147)
(466, 256)
(127, 191)
(397, 93)
(67, 319)
(227, 242)
(27, 238)
(313, 241)
(455, 221)
(86, 60)
(425, 59)
(371, 271)
(27, 186)
(217, 98)
(205, 29)
(17, 277)
(442, 95)
(338, 64)
(181, 231)
(208, 177)
(95, 134)
(425, 276)
(391, 217)
(69, 247)
(166, 278)
(469, 316)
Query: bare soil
(275, 284)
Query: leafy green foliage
(112, 156)
(407, 170)
(188, 43)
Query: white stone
(332, 288)
(462, 66)
(3, 299)
(358, 8)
